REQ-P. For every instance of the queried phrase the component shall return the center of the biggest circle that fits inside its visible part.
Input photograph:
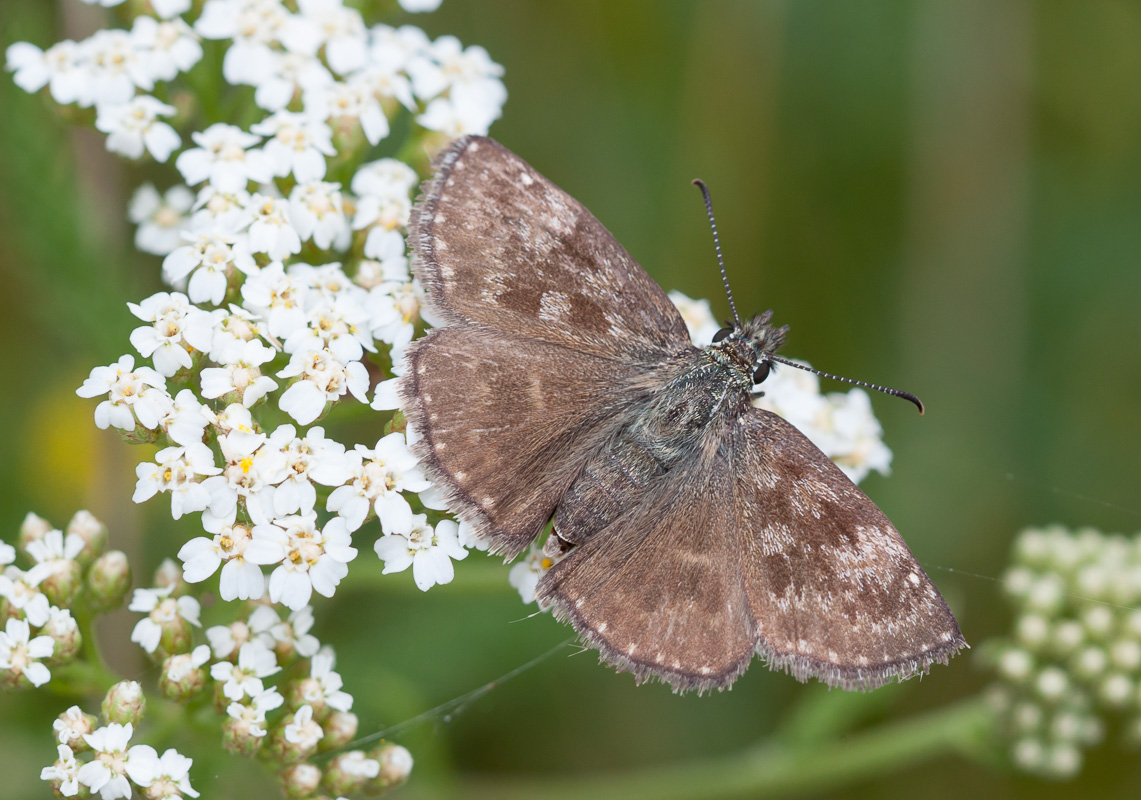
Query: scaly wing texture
(835, 591)
(498, 245)
(551, 329)
(660, 593)
(757, 545)
(505, 424)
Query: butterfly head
(748, 345)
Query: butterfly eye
(721, 334)
(761, 373)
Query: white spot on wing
(526, 179)
(554, 306)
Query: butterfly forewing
(549, 322)
(506, 423)
(498, 245)
(836, 593)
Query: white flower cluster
(285, 281)
(312, 68)
(39, 630)
(841, 424)
(116, 767)
(1075, 655)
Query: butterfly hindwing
(837, 593)
(498, 245)
(657, 592)
(759, 546)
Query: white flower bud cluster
(94, 760)
(1074, 658)
(285, 250)
(841, 424)
(65, 565)
(283, 247)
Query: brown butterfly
(697, 529)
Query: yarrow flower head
(526, 574)
(167, 621)
(288, 291)
(20, 654)
(255, 661)
(429, 551)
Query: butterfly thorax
(698, 395)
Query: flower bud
(64, 631)
(1033, 630)
(170, 574)
(340, 729)
(239, 738)
(183, 675)
(32, 529)
(1116, 690)
(349, 772)
(1015, 665)
(307, 690)
(1063, 761)
(63, 583)
(1126, 653)
(1098, 622)
(300, 780)
(177, 635)
(72, 725)
(398, 423)
(109, 579)
(1052, 684)
(1027, 717)
(1068, 637)
(395, 766)
(1029, 754)
(125, 703)
(1089, 662)
(92, 532)
(295, 737)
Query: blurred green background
(939, 196)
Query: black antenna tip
(909, 396)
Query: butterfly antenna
(700, 184)
(894, 392)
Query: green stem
(87, 675)
(769, 769)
